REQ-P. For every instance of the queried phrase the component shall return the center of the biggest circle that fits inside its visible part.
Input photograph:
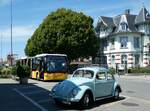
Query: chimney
(127, 11)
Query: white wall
(129, 51)
(144, 28)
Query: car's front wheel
(86, 100)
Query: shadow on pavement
(96, 104)
(16, 97)
(12, 100)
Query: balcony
(112, 47)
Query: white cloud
(4, 2)
(19, 33)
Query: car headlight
(54, 88)
(75, 91)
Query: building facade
(11, 59)
(125, 39)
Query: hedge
(140, 70)
(5, 72)
(21, 71)
(112, 71)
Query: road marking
(45, 100)
(34, 92)
(33, 102)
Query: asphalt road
(34, 97)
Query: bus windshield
(35, 64)
(56, 64)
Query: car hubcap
(86, 100)
(116, 93)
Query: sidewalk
(7, 81)
(133, 77)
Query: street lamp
(11, 52)
(1, 49)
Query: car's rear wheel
(116, 94)
(86, 100)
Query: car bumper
(64, 100)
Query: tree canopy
(64, 31)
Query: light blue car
(86, 86)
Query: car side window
(110, 77)
(84, 73)
(100, 76)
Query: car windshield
(83, 73)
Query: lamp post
(1, 49)
(11, 52)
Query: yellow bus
(26, 61)
(50, 67)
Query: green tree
(64, 31)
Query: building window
(136, 42)
(112, 44)
(103, 61)
(105, 44)
(124, 26)
(136, 60)
(147, 15)
(149, 49)
(112, 41)
(123, 59)
(113, 60)
(102, 29)
(123, 42)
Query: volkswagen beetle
(86, 85)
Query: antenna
(143, 5)
(1, 44)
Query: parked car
(86, 86)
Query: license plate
(65, 102)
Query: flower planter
(23, 80)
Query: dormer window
(102, 30)
(112, 41)
(124, 26)
(147, 15)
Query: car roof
(94, 68)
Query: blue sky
(28, 14)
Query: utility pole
(1, 49)
(11, 52)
